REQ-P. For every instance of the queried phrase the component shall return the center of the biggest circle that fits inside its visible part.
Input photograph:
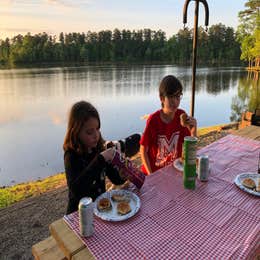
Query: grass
(12, 194)
(206, 130)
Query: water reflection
(248, 97)
(34, 105)
(100, 80)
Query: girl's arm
(145, 159)
(80, 178)
(111, 172)
(85, 179)
(114, 175)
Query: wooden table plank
(251, 131)
(84, 254)
(68, 242)
(47, 249)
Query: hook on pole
(185, 9)
(206, 12)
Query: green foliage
(221, 40)
(247, 47)
(10, 195)
(249, 32)
(219, 45)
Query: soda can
(190, 156)
(203, 168)
(86, 211)
(126, 168)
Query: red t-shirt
(164, 140)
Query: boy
(162, 140)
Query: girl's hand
(108, 154)
(192, 125)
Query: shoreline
(21, 191)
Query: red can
(129, 170)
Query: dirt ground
(25, 223)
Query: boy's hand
(192, 125)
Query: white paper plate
(112, 214)
(238, 181)
(178, 164)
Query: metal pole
(194, 55)
(195, 38)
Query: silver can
(86, 211)
(203, 168)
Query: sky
(55, 16)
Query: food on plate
(123, 208)
(258, 185)
(104, 204)
(119, 197)
(248, 183)
(184, 118)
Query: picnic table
(216, 220)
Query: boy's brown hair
(169, 86)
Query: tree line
(248, 33)
(216, 45)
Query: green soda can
(189, 169)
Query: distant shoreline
(256, 69)
(6, 66)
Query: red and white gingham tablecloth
(217, 220)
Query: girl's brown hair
(80, 112)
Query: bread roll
(183, 118)
(123, 208)
(104, 204)
(249, 183)
(119, 198)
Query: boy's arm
(145, 159)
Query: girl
(86, 162)
(164, 134)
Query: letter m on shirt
(167, 149)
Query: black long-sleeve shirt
(85, 176)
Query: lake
(35, 103)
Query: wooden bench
(246, 119)
(47, 249)
(256, 117)
(71, 246)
